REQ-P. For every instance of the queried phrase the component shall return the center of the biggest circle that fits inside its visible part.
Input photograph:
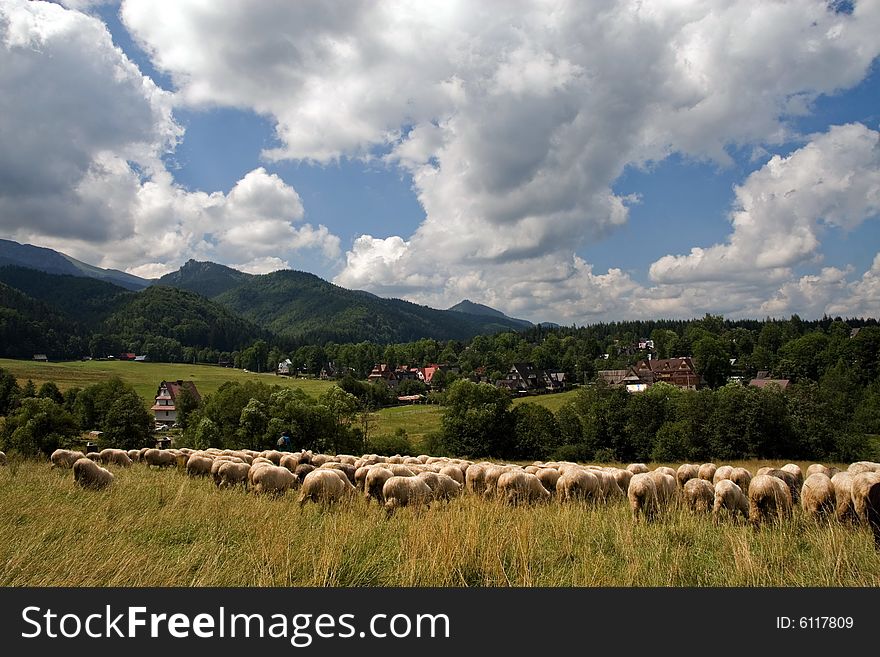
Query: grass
(417, 419)
(145, 377)
(160, 528)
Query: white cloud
(781, 209)
(83, 132)
(265, 265)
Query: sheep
(794, 469)
(430, 478)
(493, 473)
(577, 484)
(741, 477)
(454, 472)
(289, 461)
(686, 472)
(161, 458)
(791, 480)
(642, 495)
(764, 470)
(273, 480)
(863, 466)
(89, 474)
(729, 496)
(443, 487)
(666, 470)
(95, 457)
(516, 486)
(376, 478)
(862, 496)
(843, 509)
(622, 477)
(360, 476)
(115, 457)
(405, 491)
(134, 455)
(699, 495)
(324, 486)
(723, 472)
(65, 458)
(818, 468)
(637, 468)
(229, 474)
(399, 470)
(817, 496)
(666, 486)
(345, 468)
(548, 477)
(707, 471)
(302, 471)
(320, 459)
(608, 487)
(768, 496)
(198, 465)
(3, 460)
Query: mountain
(29, 327)
(304, 308)
(55, 262)
(471, 308)
(206, 278)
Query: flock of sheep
(397, 481)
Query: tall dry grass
(160, 528)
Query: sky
(573, 162)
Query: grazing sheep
(686, 472)
(741, 477)
(3, 460)
(230, 474)
(608, 487)
(622, 477)
(289, 461)
(376, 478)
(399, 470)
(577, 485)
(272, 480)
(430, 478)
(863, 466)
(699, 495)
(764, 470)
(134, 455)
(768, 496)
(302, 471)
(642, 495)
(65, 458)
(493, 473)
(345, 468)
(548, 478)
(723, 472)
(817, 496)
(320, 459)
(794, 469)
(818, 468)
(95, 456)
(791, 480)
(843, 509)
(475, 479)
(517, 486)
(405, 491)
(729, 496)
(115, 457)
(862, 484)
(324, 486)
(448, 487)
(666, 470)
(666, 486)
(360, 476)
(453, 471)
(89, 474)
(637, 468)
(707, 471)
(198, 465)
(161, 458)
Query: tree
(477, 421)
(185, 402)
(712, 360)
(9, 392)
(536, 432)
(38, 426)
(343, 408)
(50, 391)
(127, 423)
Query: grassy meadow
(161, 528)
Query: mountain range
(208, 305)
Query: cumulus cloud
(83, 133)
(781, 209)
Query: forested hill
(302, 308)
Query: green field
(161, 528)
(146, 377)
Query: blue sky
(571, 167)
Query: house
(284, 367)
(679, 372)
(127, 356)
(332, 371)
(41, 357)
(165, 406)
(612, 377)
(381, 372)
(645, 343)
(525, 378)
(766, 381)
(140, 359)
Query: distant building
(165, 406)
(381, 372)
(141, 359)
(764, 382)
(285, 367)
(41, 357)
(525, 378)
(679, 372)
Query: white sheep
(707, 471)
(699, 495)
(65, 458)
(272, 480)
(517, 486)
(730, 497)
(768, 496)
(230, 474)
(666, 486)
(376, 478)
(722, 472)
(162, 458)
(405, 491)
(843, 509)
(642, 495)
(89, 474)
(577, 485)
(817, 496)
(741, 477)
(198, 465)
(637, 468)
(324, 487)
(686, 472)
(864, 490)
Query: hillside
(206, 278)
(55, 262)
(28, 327)
(471, 308)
